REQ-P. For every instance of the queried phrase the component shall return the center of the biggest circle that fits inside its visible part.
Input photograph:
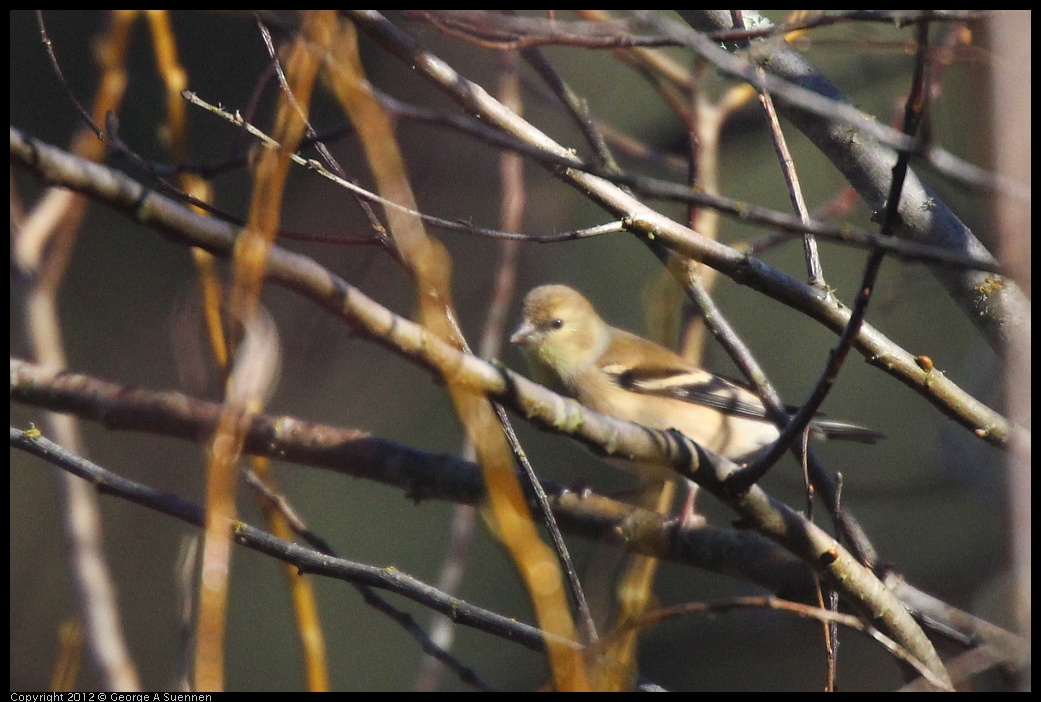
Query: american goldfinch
(574, 352)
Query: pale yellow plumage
(571, 350)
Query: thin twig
(651, 187)
(915, 108)
(801, 610)
(306, 559)
(814, 271)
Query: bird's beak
(523, 335)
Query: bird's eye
(557, 323)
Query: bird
(571, 350)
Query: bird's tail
(845, 431)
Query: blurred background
(931, 495)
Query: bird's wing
(699, 387)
